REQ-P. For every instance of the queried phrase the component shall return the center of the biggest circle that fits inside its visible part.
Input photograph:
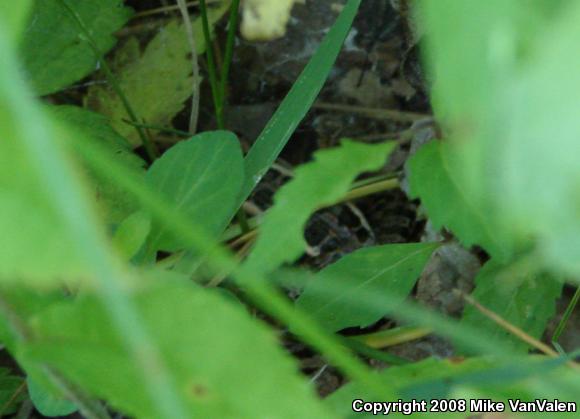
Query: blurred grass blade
(257, 288)
(297, 103)
(37, 141)
(13, 15)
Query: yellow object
(264, 20)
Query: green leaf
(505, 91)
(315, 184)
(290, 112)
(114, 204)
(54, 51)
(13, 15)
(46, 403)
(202, 177)
(297, 103)
(525, 299)
(156, 82)
(538, 176)
(131, 234)
(11, 392)
(336, 295)
(198, 332)
(433, 179)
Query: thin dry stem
(194, 115)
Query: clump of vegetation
(119, 289)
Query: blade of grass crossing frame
(220, 260)
(265, 296)
(37, 139)
(297, 103)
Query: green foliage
(10, 391)
(295, 105)
(281, 234)
(113, 203)
(202, 177)
(333, 296)
(46, 403)
(506, 94)
(525, 299)
(131, 234)
(164, 67)
(53, 51)
(475, 378)
(13, 15)
(86, 317)
(197, 335)
(433, 179)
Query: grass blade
(297, 103)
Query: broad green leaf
(113, 202)
(315, 184)
(131, 234)
(433, 179)
(198, 332)
(297, 103)
(202, 177)
(11, 392)
(46, 403)
(538, 176)
(336, 295)
(13, 16)
(504, 86)
(526, 300)
(157, 81)
(55, 52)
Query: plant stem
(158, 128)
(373, 353)
(218, 87)
(564, 320)
(391, 337)
(213, 76)
(194, 115)
(232, 25)
(167, 9)
(150, 148)
(376, 113)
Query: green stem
(213, 76)
(564, 321)
(373, 353)
(219, 87)
(158, 128)
(150, 148)
(232, 25)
